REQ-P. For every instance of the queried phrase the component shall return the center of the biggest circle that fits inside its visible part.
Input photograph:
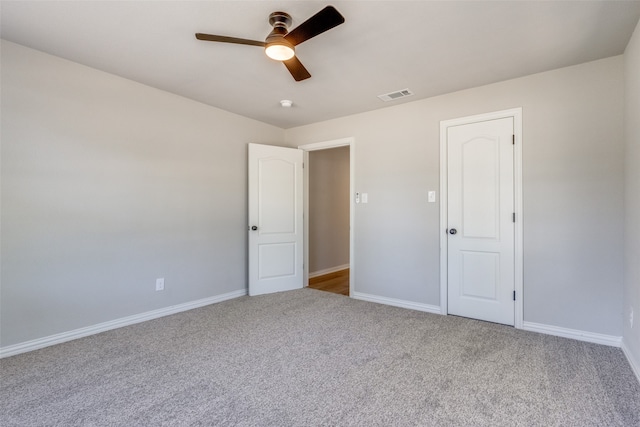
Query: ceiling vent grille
(395, 95)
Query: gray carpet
(310, 358)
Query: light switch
(365, 198)
(432, 196)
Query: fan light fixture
(279, 52)
(276, 46)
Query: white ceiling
(430, 47)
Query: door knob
(453, 231)
(254, 227)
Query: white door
(275, 219)
(480, 223)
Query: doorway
(328, 222)
(481, 217)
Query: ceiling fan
(280, 43)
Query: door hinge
(513, 139)
(514, 295)
(514, 217)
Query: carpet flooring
(311, 358)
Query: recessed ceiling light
(286, 103)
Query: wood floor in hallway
(336, 282)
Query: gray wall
(328, 208)
(108, 184)
(573, 192)
(632, 199)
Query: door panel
(480, 273)
(277, 186)
(275, 210)
(481, 262)
(276, 260)
(480, 188)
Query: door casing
(516, 113)
(323, 146)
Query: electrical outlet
(160, 284)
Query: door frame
(516, 113)
(352, 161)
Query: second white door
(481, 231)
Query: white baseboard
(36, 344)
(435, 309)
(635, 363)
(592, 337)
(328, 270)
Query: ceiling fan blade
(296, 69)
(322, 21)
(224, 39)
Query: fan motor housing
(280, 22)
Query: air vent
(395, 95)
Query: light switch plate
(365, 198)
(432, 196)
